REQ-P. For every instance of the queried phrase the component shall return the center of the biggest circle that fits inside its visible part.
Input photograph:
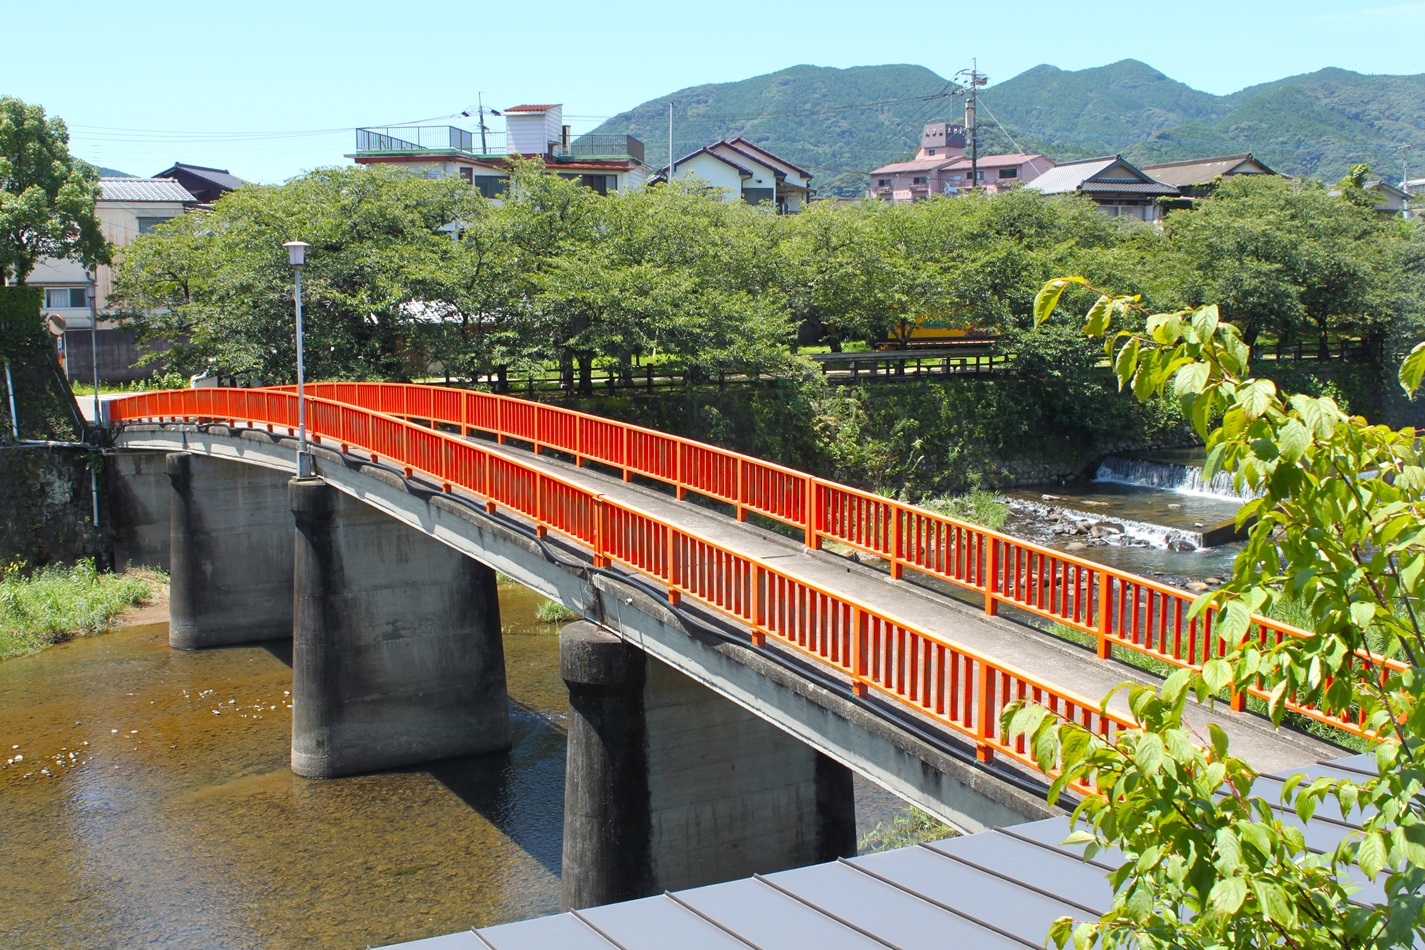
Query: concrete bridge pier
(230, 553)
(669, 785)
(396, 654)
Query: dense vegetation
(1314, 125)
(53, 604)
(557, 278)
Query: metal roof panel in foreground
(997, 890)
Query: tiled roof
(1127, 188)
(923, 165)
(218, 176)
(1201, 171)
(708, 150)
(742, 144)
(535, 108)
(143, 189)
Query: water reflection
(148, 802)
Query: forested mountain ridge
(1313, 125)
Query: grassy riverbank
(55, 604)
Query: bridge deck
(1043, 656)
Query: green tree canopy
(46, 196)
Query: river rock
(1075, 546)
(1053, 498)
(1197, 586)
(1182, 546)
(1106, 528)
(1214, 581)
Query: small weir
(1155, 514)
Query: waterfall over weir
(1168, 476)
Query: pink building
(941, 167)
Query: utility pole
(670, 141)
(973, 80)
(484, 147)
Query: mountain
(841, 123)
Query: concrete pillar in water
(140, 508)
(396, 653)
(669, 785)
(230, 553)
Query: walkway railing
(1118, 609)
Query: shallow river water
(146, 801)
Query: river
(147, 802)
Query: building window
(955, 177)
(754, 196)
(148, 224)
(930, 151)
(883, 182)
(66, 298)
(918, 180)
(979, 176)
(1008, 173)
(467, 173)
(491, 186)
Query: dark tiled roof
(218, 176)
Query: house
(207, 185)
(1198, 177)
(941, 167)
(1119, 188)
(608, 164)
(746, 172)
(127, 208)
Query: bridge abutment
(230, 553)
(670, 785)
(396, 656)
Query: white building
(746, 172)
(128, 207)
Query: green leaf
(1192, 378)
(1048, 297)
(1363, 613)
(1275, 904)
(1227, 895)
(1372, 854)
(1204, 321)
(1256, 397)
(1126, 361)
(1293, 439)
(1413, 369)
(1099, 316)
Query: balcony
(425, 138)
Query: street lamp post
(297, 256)
(92, 293)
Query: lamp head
(297, 252)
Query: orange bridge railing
(956, 686)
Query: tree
(1288, 259)
(46, 196)
(380, 277)
(1341, 529)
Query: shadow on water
(281, 649)
(520, 792)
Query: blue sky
(270, 89)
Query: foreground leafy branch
(1205, 860)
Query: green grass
(910, 827)
(980, 507)
(54, 604)
(82, 387)
(552, 611)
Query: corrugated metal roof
(1068, 177)
(144, 189)
(998, 889)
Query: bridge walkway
(1044, 657)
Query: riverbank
(55, 604)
